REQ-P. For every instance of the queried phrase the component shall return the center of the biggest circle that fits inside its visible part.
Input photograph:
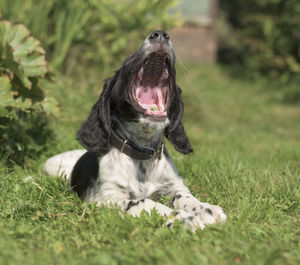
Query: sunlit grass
(246, 159)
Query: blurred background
(260, 36)
(67, 48)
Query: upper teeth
(165, 74)
(140, 74)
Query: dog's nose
(159, 35)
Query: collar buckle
(123, 145)
(157, 153)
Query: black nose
(159, 35)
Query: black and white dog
(126, 164)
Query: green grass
(246, 159)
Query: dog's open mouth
(151, 85)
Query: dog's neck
(143, 133)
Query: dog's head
(143, 89)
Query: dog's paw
(188, 220)
(209, 214)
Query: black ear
(94, 133)
(175, 131)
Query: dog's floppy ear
(94, 133)
(175, 131)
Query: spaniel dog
(125, 163)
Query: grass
(246, 159)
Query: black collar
(125, 146)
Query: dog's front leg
(135, 207)
(208, 213)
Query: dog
(125, 163)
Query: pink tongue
(151, 96)
(151, 99)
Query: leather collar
(125, 146)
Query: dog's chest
(142, 179)
(147, 181)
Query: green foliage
(89, 31)
(265, 36)
(24, 135)
(22, 68)
(22, 65)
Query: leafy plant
(22, 66)
(22, 69)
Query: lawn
(246, 159)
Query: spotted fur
(104, 174)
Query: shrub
(269, 35)
(23, 104)
(264, 39)
(89, 31)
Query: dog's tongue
(151, 99)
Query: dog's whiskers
(184, 67)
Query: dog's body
(126, 163)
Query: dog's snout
(159, 35)
(159, 41)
